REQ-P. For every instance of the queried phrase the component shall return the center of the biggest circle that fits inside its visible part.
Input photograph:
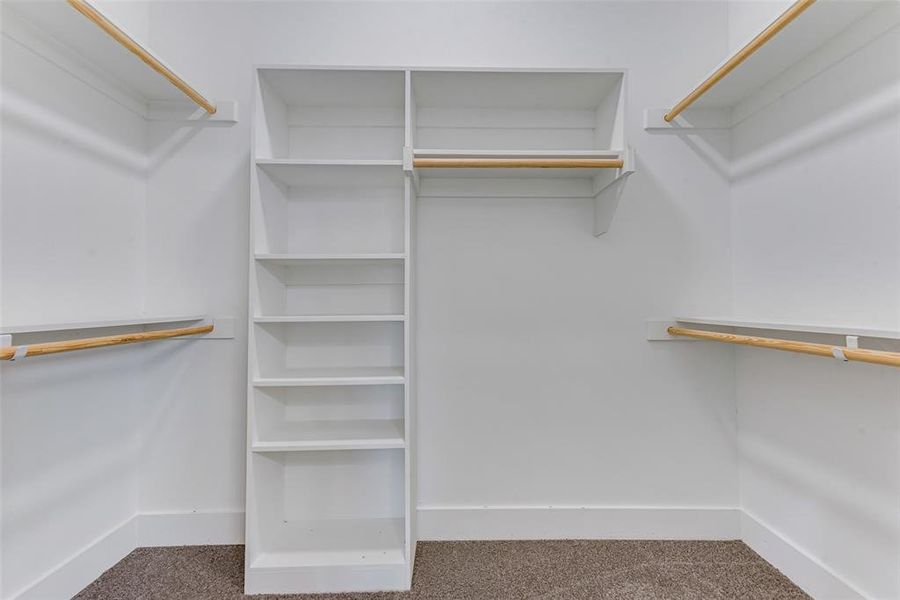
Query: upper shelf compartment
(311, 114)
(98, 46)
(510, 112)
(795, 34)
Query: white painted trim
(467, 523)
(807, 572)
(74, 574)
(576, 522)
(200, 528)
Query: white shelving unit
(331, 400)
(329, 490)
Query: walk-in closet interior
(456, 300)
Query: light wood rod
(518, 163)
(877, 357)
(132, 46)
(743, 54)
(9, 352)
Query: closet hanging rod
(741, 55)
(518, 163)
(85, 8)
(877, 357)
(11, 352)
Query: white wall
(746, 18)
(817, 239)
(73, 199)
(536, 385)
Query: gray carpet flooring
(539, 570)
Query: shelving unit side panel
(410, 362)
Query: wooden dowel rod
(123, 38)
(518, 163)
(9, 352)
(877, 357)
(743, 54)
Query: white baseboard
(466, 523)
(145, 529)
(190, 528)
(576, 522)
(808, 573)
(72, 576)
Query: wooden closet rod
(123, 38)
(518, 163)
(9, 352)
(743, 54)
(878, 357)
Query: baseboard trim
(576, 522)
(145, 529)
(446, 523)
(807, 572)
(196, 528)
(73, 575)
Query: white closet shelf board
(84, 43)
(812, 28)
(76, 325)
(330, 542)
(334, 376)
(795, 327)
(331, 318)
(456, 153)
(512, 89)
(360, 434)
(288, 260)
(318, 173)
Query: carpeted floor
(544, 570)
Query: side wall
(817, 238)
(73, 195)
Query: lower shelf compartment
(359, 434)
(329, 542)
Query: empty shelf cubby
(320, 208)
(535, 111)
(330, 114)
(318, 350)
(342, 507)
(291, 287)
(327, 418)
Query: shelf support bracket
(408, 167)
(607, 196)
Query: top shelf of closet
(111, 52)
(360, 114)
(801, 29)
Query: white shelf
(335, 376)
(456, 153)
(795, 327)
(331, 319)
(330, 542)
(313, 173)
(70, 37)
(360, 434)
(292, 259)
(816, 25)
(76, 325)
(519, 172)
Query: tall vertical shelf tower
(334, 183)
